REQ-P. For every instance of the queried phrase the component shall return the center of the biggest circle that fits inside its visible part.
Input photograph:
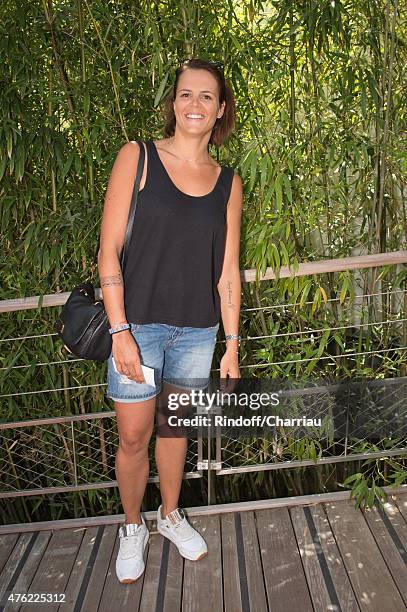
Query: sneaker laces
(181, 525)
(129, 542)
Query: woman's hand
(127, 356)
(229, 367)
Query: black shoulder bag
(83, 324)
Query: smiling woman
(217, 91)
(182, 275)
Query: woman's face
(198, 95)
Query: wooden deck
(262, 556)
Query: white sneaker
(176, 528)
(130, 559)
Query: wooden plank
(283, 571)
(255, 583)
(152, 574)
(100, 568)
(11, 566)
(7, 543)
(323, 598)
(368, 573)
(382, 532)
(174, 578)
(79, 569)
(30, 566)
(99, 571)
(118, 596)
(55, 567)
(202, 587)
(334, 561)
(230, 566)
(397, 520)
(401, 501)
(168, 588)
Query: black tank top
(176, 251)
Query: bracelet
(233, 337)
(118, 328)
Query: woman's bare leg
(170, 453)
(135, 422)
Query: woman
(181, 274)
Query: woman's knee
(136, 441)
(135, 425)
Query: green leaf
(287, 188)
(160, 90)
(253, 168)
(352, 478)
(86, 103)
(278, 191)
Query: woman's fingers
(138, 373)
(133, 371)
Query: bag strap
(132, 211)
(133, 206)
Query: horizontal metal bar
(242, 366)
(257, 365)
(27, 337)
(51, 390)
(303, 391)
(310, 462)
(243, 339)
(84, 487)
(337, 299)
(320, 330)
(60, 419)
(255, 309)
(151, 515)
(43, 363)
(263, 365)
(248, 276)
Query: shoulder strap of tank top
(226, 182)
(155, 167)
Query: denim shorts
(181, 356)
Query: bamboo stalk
(47, 5)
(380, 234)
(111, 72)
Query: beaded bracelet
(233, 337)
(118, 328)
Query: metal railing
(76, 452)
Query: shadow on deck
(279, 555)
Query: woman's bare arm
(113, 229)
(229, 286)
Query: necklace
(182, 158)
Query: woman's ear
(221, 110)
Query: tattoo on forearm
(229, 303)
(109, 281)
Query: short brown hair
(223, 126)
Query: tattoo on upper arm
(229, 303)
(109, 281)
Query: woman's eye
(187, 94)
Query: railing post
(74, 454)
